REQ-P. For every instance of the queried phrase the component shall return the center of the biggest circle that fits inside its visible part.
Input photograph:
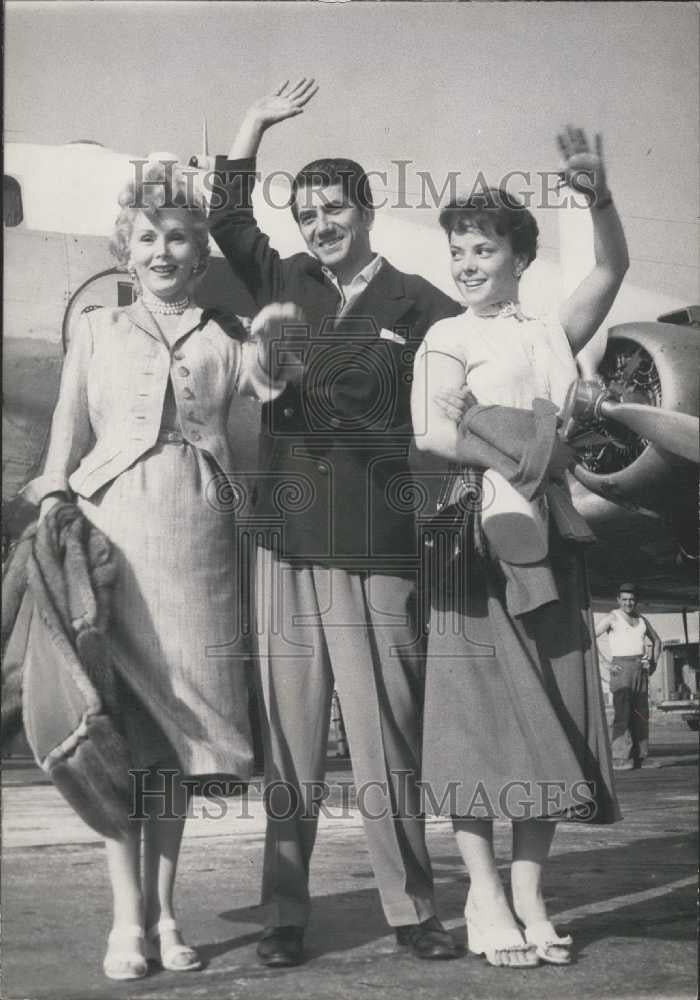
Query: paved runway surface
(626, 893)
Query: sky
(446, 86)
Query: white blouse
(508, 360)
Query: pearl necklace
(156, 305)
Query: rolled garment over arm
(70, 693)
(520, 444)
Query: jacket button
(187, 393)
(288, 411)
(178, 355)
(184, 371)
(196, 436)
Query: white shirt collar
(362, 277)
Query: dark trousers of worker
(630, 690)
(317, 626)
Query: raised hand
(272, 325)
(583, 170)
(284, 102)
(270, 322)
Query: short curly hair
(493, 210)
(161, 184)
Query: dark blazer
(334, 484)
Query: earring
(517, 272)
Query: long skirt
(175, 629)
(514, 723)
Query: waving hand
(286, 101)
(584, 169)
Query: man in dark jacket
(337, 561)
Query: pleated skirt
(514, 724)
(175, 634)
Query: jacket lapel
(384, 299)
(141, 317)
(189, 321)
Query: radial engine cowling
(655, 364)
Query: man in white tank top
(634, 649)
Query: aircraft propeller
(588, 401)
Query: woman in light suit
(139, 440)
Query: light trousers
(317, 626)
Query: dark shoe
(427, 940)
(280, 946)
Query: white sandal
(121, 960)
(168, 959)
(489, 940)
(544, 937)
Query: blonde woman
(138, 439)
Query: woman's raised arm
(584, 171)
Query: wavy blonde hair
(159, 184)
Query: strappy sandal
(491, 941)
(544, 937)
(122, 961)
(176, 958)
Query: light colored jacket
(113, 387)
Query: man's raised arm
(231, 219)
(282, 103)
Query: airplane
(638, 496)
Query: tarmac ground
(627, 894)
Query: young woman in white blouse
(513, 701)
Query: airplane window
(12, 201)
(125, 293)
